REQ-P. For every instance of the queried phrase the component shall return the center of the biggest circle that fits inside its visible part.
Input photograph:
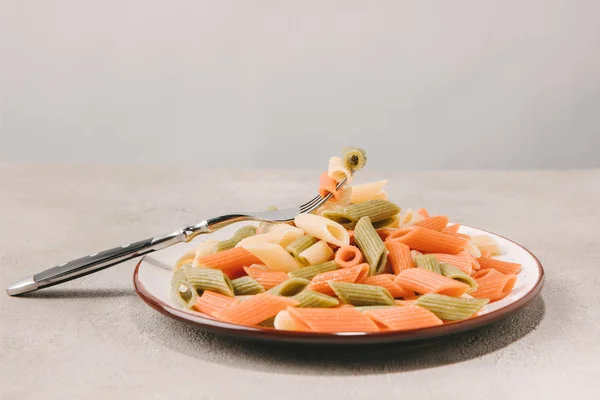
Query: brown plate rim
(269, 334)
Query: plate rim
(262, 333)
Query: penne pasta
(486, 243)
(404, 318)
(204, 279)
(409, 218)
(359, 294)
(231, 262)
(289, 287)
(348, 256)
(388, 281)
(299, 245)
(323, 228)
(457, 274)
(428, 262)
(204, 249)
(493, 285)
(356, 274)
(283, 236)
(370, 245)
(399, 256)
(211, 302)
(450, 308)
(429, 241)
(504, 267)
(313, 270)
(328, 185)
(266, 278)
(437, 223)
(284, 322)
(318, 253)
(310, 299)
(378, 211)
(241, 233)
(255, 310)
(246, 285)
(338, 171)
(461, 261)
(423, 281)
(332, 319)
(273, 256)
(354, 158)
(366, 191)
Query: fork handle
(107, 258)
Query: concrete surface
(94, 339)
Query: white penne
(414, 254)
(273, 256)
(331, 204)
(410, 217)
(473, 250)
(486, 243)
(323, 228)
(317, 253)
(283, 321)
(280, 236)
(382, 195)
(188, 255)
(337, 170)
(266, 227)
(367, 191)
(204, 249)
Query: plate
(152, 279)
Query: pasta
(338, 170)
(289, 287)
(348, 256)
(404, 318)
(428, 262)
(359, 294)
(211, 302)
(313, 270)
(367, 191)
(255, 310)
(370, 245)
(332, 319)
(399, 256)
(358, 264)
(246, 285)
(273, 256)
(323, 228)
(457, 274)
(378, 211)
(316, 254)
(450, 308)
(299, 245)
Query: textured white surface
(93, 338)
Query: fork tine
(318, 201)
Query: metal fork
(107, 258)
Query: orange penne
(504, 267)
(451, 228)
(256, 309)
(346, 319)
(399, 256)
(437, 223)
(462, 260)
(328, 185)
(211, 302)
(397, 233)
(384, 232)
(423, 213)
(459, 235)
(348, 256)
(267, 278)
(493, 285)
(486, 253)
(231, 262)
(354, 274)
(423, 281)
(429, 241)
(351, 235)
(403, 318)
(405, 302)
(387, 281)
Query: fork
(107, 258)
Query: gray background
(420, 84)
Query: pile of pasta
(359, 264)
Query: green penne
(367, 308)
(290, 287)
(455, 273)
(246, 285)
(310, 299)
(450, 308)
(358, 294)
(182, 291)
(355, 158)
(313, 270)
(242, 233)
(299, 245)
(428, 262)
(376, 210)
(208, 279)
(371, 245)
